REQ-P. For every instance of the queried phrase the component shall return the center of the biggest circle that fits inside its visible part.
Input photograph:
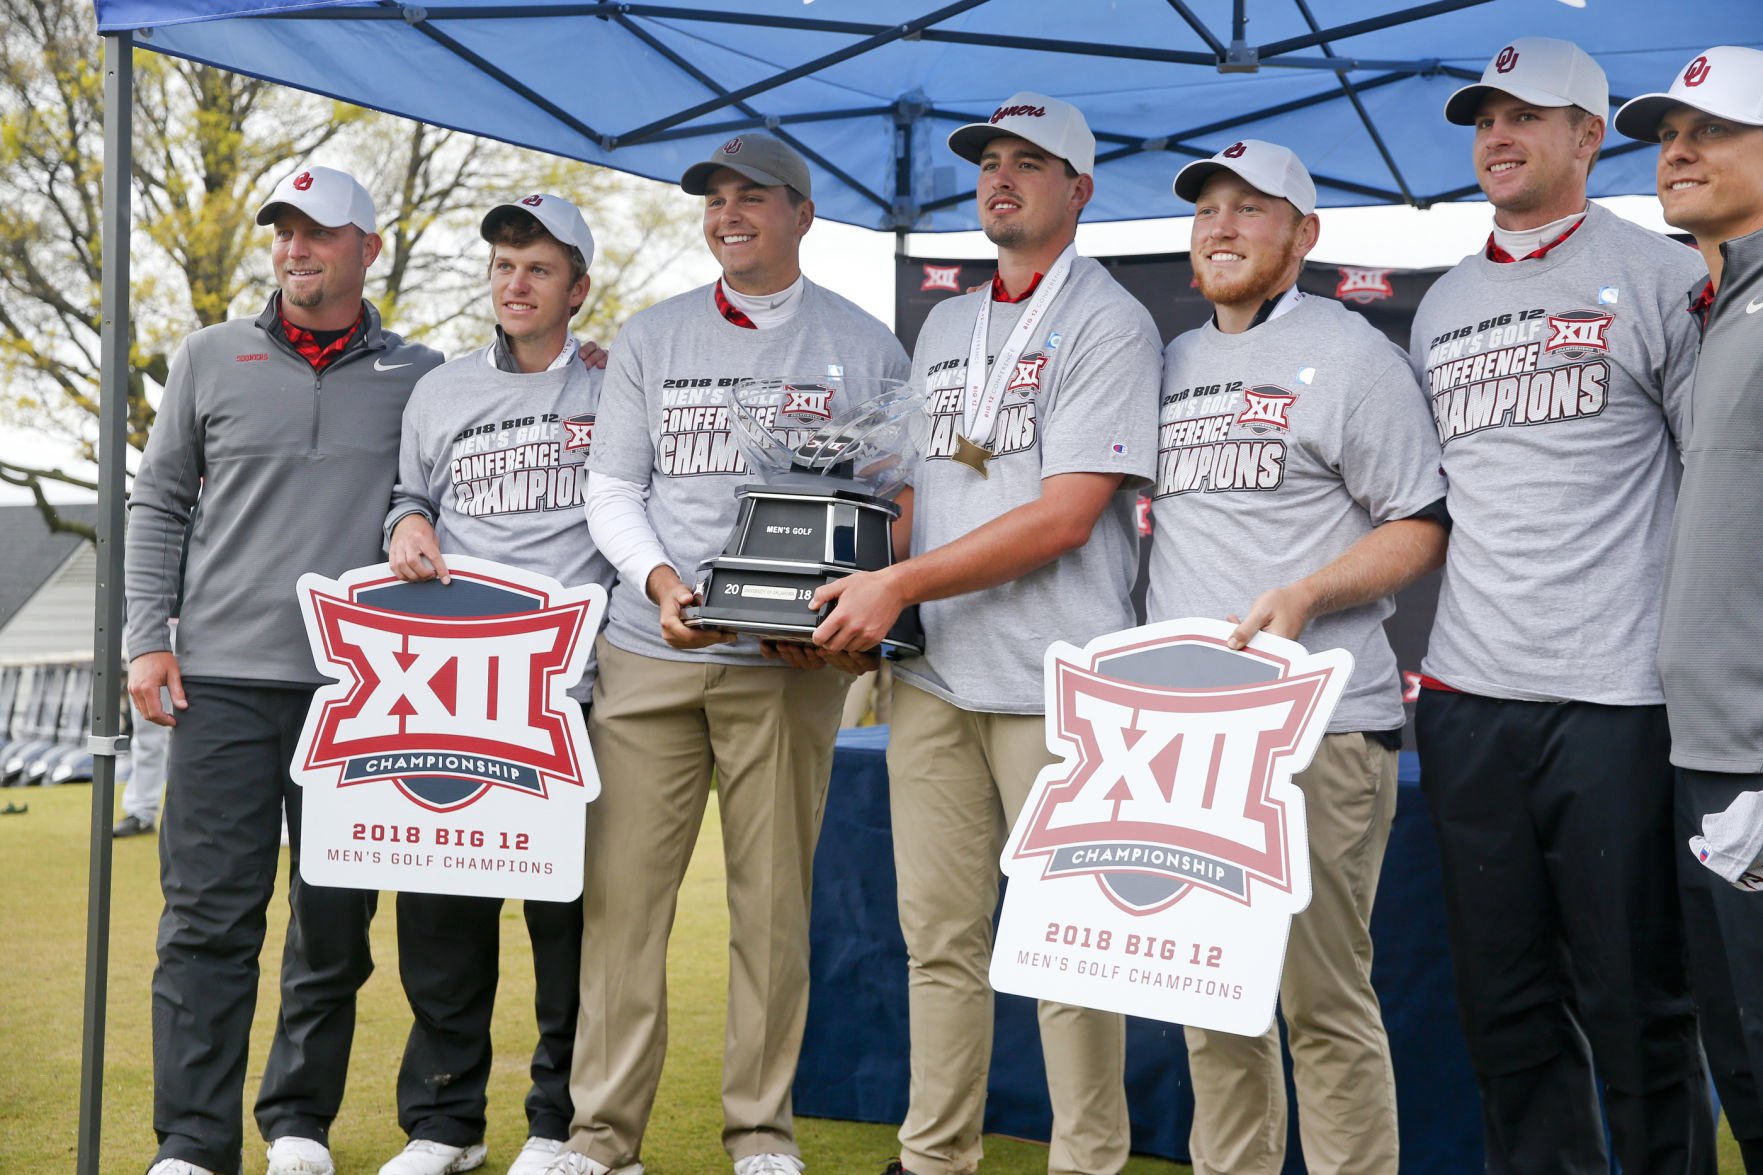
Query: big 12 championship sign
(446, 755)
(1155, 869)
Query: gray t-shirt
(495, 460)
(664, 424)
(1279, 448)
(1083, 399)
(1557, 386)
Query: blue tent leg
(113, 423)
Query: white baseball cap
(1266, 167)
(1054, 126)
(1726, 81)
(561, 219)
(1541, 71)
(330, 197)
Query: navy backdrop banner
(1164, 282)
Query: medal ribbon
(980, 406)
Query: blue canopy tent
(867, 90)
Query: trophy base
(769, 599)
(792, 538)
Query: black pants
(1554, 824)
(447, 959)
(1725, 933)
(218, 846)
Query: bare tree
(208, 147)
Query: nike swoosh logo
(382, 365)
(1754, 306)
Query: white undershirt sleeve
(618, 520)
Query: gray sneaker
(130, 825)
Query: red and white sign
(1155, 868)
(941, 277)
(1363, 286)
(446, 756)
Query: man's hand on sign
(415, 553)
(671, 595)
(148, 674)
(1284, 611)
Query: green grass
(42, 950)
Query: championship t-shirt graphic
(1524, 366)
(523, 464)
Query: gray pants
(218, 848)
(148, 744)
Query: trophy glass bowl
(831, 452)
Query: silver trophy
(832, 452)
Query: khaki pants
(1340, 1053)
(658, 729)
(957, 780)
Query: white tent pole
(107, 682)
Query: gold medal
(973, 456)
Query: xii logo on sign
(448, 691)
(1363, 285)
(1165, 788)
(1578, 333)
(941, 277)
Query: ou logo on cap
(1696, 72)
(1506, 60)
(303, 181)
(1234, 151)
(533, 201)
(732, 147)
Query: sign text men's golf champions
(446, 757)
(1156, 868)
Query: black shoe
(131, 826)
(894, 1167)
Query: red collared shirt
(1497, 254)
(1000, 294)
(732, 312)
(1701, 302)
(319, 355)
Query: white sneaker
(576, 1163)
(178, 1167)
(770, 1164)
(535, 1156)
(300, 1156)
(424, 1157)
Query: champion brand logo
(1363, 285)
(303, 181)
(1696, 72)
(732, 147)
(807, 402)
(533, 201)
(1234, 151)
(1507, 60)
(1171, 787)
(578, 431)
(1578, 330)
(445, 706)
(1266, 407)
(1004, 112)
(941, 277)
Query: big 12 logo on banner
(446, 755)
(1155, 869)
